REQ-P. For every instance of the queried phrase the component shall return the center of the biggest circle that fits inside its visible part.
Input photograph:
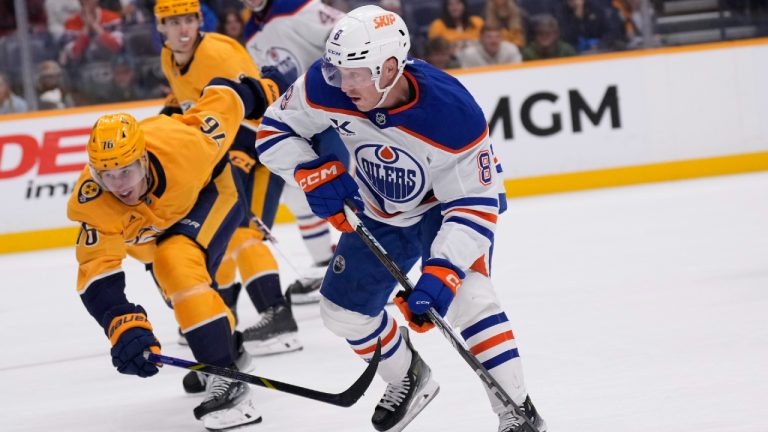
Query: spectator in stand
(546, 43)
(507, 15)
(58, 11)
(456, 25)
(10, 102)
(589, 27)
(631, 16)
(491, 49)
(538, 7)
(532, 8)
(52, 92)
(232, 25)
(124, 84)
(35, 14)
(92, 34)
(210, 19)
(113, 5)
(439, 54)
(7, 18)
(133, 13)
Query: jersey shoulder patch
(89, 191)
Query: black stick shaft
(346, 398)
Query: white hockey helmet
(366, 37)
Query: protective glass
(123, 178)
(348, 78)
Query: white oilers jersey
(292, 35)
(433, 151)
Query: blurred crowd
(100, 51)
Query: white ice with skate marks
(638, 308)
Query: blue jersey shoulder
(285, 7)
(445, 112)
(323, 96)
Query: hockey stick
(458, 344)
(346, 398)
(261, 226)
(267, 233)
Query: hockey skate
(274, 333)
(403, 401)
(511, 422)
(195, 382)
(228, 405)
(306, 290)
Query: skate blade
(420, 402)
(248, 427)
(241, 417)
(284, 343)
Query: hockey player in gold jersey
(190, 58)
(143, 195)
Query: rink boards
(558, 125)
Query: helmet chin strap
(385, 91)
(383, 94)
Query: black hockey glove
(274, 74)
(263, 91)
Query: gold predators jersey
(216, 55)
(110, 229)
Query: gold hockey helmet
(116, 141)
(169, 8)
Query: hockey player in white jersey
(427, 187)
(291, 35)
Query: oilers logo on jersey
(339, 264)
(391, 172)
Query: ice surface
(638, 308)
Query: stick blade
(350, 396)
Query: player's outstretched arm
(101, 286)
(250, 99)
(221, 109)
